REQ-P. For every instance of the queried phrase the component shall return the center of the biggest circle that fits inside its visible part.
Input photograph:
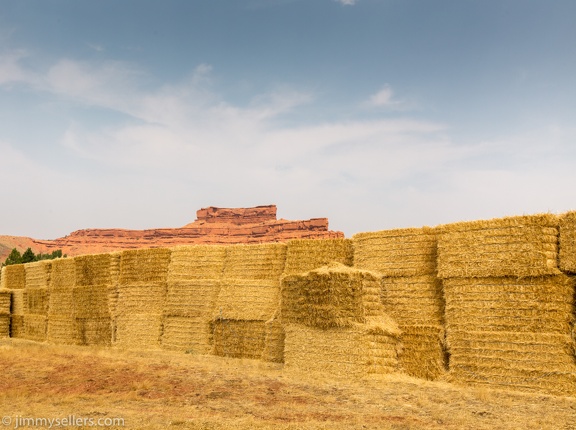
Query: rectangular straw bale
(192, 298)
(539, 304)
(400, 252)
(516, 246)
(115, 258)
(303, 255)
(90, 302)
(568, 242)
(93, 270)
(18, 301)
(61, 302)
(263, 262)
(94, 331)
(413, 300)
(14, 277)
(17, 326)
(62, 330)
(536, 362)
(332, 296)
(349, 351)
(138, 331)
(188, 334)
(4, 325)
(144, 265)
(423, 351)
(38, 274)
(247, 300)
(274, 340)
(141, 298)
(63, 275)
(37, 301)
(5, 302)
(35, 327)
(239, 339)
(196, 262)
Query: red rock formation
(212, 226)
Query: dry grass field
(161, 389)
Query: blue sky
(377, 114)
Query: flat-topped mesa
(238, 216)
(213, 226)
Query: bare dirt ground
(160, 389)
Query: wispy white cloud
(347, 2)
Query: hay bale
(192, 298)
(263, 262)
(61, 302)
(247, 300)
(144, 266)
(274, 340)
(5, 302)
(516, 246)
(35, 327)
(90, 302)
(303, 255)
(4, 325)
(138, 331)
(141, 298)
(413, 300)
(343, 351)
(423, 351)
(63, 275)
(400, 252)
(331, 296)
(62, 330)
(539, 304)
(17, 326)
(94, 331)
(36, 301)
(14, 277)
(18, 301)
(196, 262)
(92, 270)
(239, 339)
(568, 242)
(533, 362)
(38, 274)
(188, 334)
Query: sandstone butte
(212, 226)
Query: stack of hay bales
(303, 255)
(36, 299)
(193, 286)
(335, 323)
(14, 280)
(141, 298)
(5, 302)
(509, 309)
(568, 242)
(115, 258)
(249, 296)
(61, 322)
(411, 293)
(90, 296)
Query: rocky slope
(212, 226)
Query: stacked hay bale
(303, 255)
(249, 297)
(36, 299)
(193, 286)
(14, 280)
(5, 302)
(568, 242)
(509, 309)
(115, 258)
(90, 296)
(61, 321)
(141, 298)
(410, 292)
(335, 323)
